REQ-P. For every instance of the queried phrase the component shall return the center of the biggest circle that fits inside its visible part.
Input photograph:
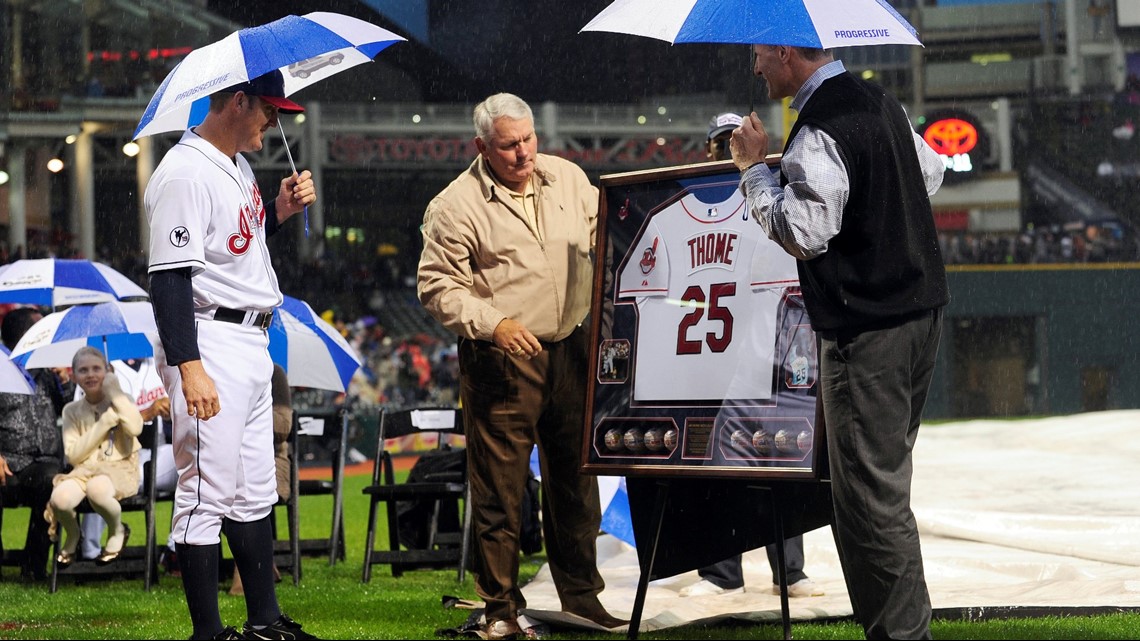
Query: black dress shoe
(106, 557)
(602, 618)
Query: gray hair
(813, 54)
(500, 105)
(810, 54)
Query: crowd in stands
(1032, 245)
(1088, 147)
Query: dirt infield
(354, 469)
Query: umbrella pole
(751, 80)
(289, 155)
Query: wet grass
(333, 603)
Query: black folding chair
(134, 559)
(443, 549)
(13, 554)
(321, 434)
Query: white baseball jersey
(145, 384)
(206, 212)
(706, 283)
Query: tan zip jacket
(482, 260)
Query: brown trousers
(509, 405)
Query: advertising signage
(958, 137)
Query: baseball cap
(270, 87)
(721, 123)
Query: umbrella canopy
(313, 352)
(819, 24)
(57, 282)
(305, 48)
(13, 378)
(120, 330)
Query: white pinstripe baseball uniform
(206, 213)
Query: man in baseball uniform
(214, 291)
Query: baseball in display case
(703, 361)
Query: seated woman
(100, 442)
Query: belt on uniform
(257, 319)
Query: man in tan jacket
(507, 265)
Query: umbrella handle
(289, 155)
(751, 82)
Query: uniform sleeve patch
(179, 236)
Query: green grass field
(333, 603)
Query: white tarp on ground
(1029, 513)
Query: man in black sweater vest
(852, 205)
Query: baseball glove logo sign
(179, 236)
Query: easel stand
(661, 502)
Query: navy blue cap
(270, 87)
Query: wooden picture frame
(695, 322)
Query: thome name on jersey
(706, 283)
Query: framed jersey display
(702, 358)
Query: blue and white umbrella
(617, 520)
(120, 330)
(58, 282)
(306, 49)
(313, 352)
(820, 24)
(13, 378)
